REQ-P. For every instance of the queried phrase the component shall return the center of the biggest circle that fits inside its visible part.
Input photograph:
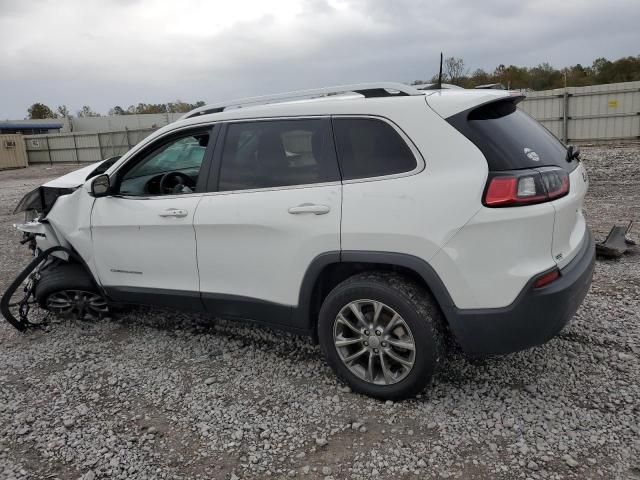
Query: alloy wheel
(374, 342)
(77, 303)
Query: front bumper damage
(16, 310)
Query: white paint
(250, 245)
(129, 234)
(73, 179)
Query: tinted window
(370, 148)
(183, 156)
(509, 138)
(277, 153)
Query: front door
(143, 236)
(275, 207)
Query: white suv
(377, 218)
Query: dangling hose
(5, 303)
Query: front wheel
(381, 333)
(67, 290)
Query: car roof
(445, 102)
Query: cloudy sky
(120, 52)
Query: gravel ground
(159, 394)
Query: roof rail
(368, 90)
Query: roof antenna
(440, 74)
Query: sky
(104, 53)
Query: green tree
(600, 67)
(40, 110)
(182, 107)
(625, 69)
(577, 75)
(62, 111)
(516, 77)
(544, 77)
(87, 111)
(150, 108)
(480, 77)
(118, 110)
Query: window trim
(213, 155)
(212, 129)
(421, 164)
(213, 184)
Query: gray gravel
(159, 394)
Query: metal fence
(599, 113)
(121, 122)
(81, 147)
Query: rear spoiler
(447, 103)
(490, 86)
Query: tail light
(525, 187)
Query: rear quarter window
(509, 138)
(368, 147)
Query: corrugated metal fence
(81, 147)
(599, 113)
(121, 122)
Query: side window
(170, 169)
(368, 147)
(277, 153)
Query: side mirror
(100, 186)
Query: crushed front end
(18, 304)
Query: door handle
(173, 212)
(310, 208)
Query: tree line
(540, 77)
(42, 111)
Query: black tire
(60, 277)
(416, 307)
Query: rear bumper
(533, 318)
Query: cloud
(121, 52)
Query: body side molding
(156, 297)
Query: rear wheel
(67, 290)
(381, 333)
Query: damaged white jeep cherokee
(377, 218)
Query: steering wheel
(172, 182)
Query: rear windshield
(509, 138)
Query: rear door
(275, 207)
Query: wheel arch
(329, 269)
(74, 257)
